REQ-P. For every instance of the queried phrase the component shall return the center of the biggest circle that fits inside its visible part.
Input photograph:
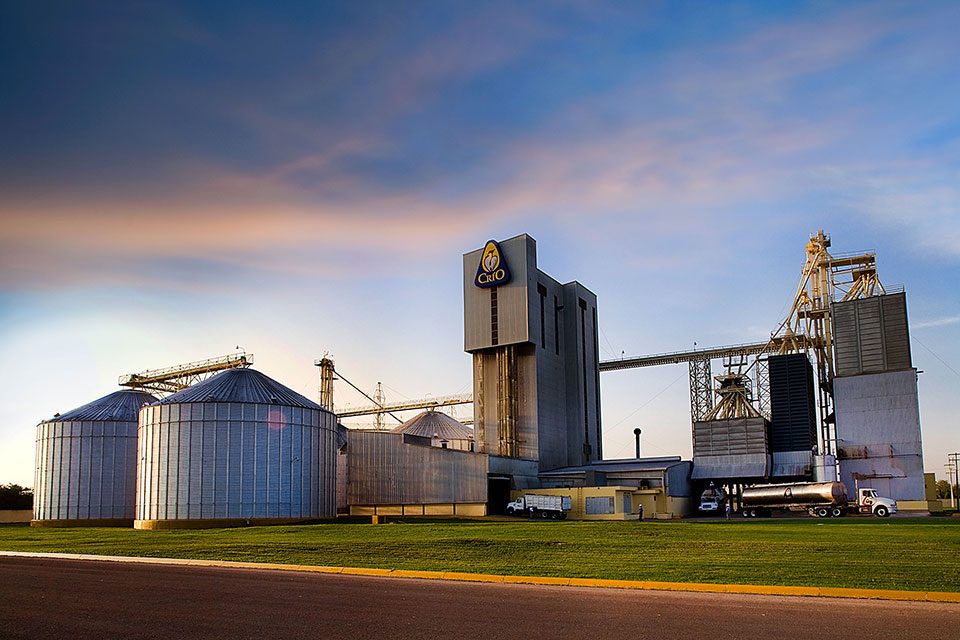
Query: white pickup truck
(540, 506)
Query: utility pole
(949, 468)
(954, 461)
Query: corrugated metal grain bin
(440, 429)
(87, 462)
(871, 335)
(236, 448)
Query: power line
(933, 353)
(634, 412)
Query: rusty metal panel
(878, 433)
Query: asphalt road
(41, 598)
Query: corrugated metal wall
(723, 437)
(793, 417)
(384, 470)
(871, 335)
(85, 470)
(235, 460)
(878, 433)
(734, 448)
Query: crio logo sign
(493, 269)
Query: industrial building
(237, 448)
(536, 381)
(86, 464)
(536, 405)
(877, 406)
(831, 395)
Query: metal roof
(119, 406)
(241, 385)
(434, 423)
(619, 466)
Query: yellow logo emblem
(493, 269)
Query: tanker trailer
(819, 499)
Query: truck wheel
(822, 512)
(836, 512)
(881, 511)
(510, 511)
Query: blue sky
(178, 179)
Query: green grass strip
(920, 554)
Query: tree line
(13, 496)
(943, 489)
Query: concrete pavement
(91, 599)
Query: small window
(599, 505)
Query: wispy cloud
(935, 322)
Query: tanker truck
(819, 499)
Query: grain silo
(86, 465)
(237, 448)
(442, 430)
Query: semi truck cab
(868, 501)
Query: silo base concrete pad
(100, 522)
(218, 523)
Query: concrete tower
(536, 380)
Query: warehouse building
(395, 473)
(616, 489)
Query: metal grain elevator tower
(536, 370)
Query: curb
(645, 585)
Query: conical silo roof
(241, 385)
(431, 423)
(119, 406)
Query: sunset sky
(178, 179)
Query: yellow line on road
(754, 589)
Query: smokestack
(636, 432)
